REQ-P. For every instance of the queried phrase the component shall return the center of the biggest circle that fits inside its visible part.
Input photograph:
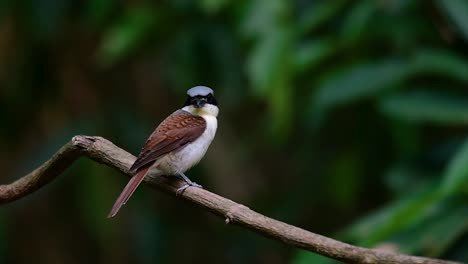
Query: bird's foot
(181, 190)
(188, 182)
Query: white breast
(192, 153)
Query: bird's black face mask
(200, 101)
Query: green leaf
(440, 62)
(311, 54)
(269, 59)
(457, 11)
(400, 214)
(401, 177)
(357, 20)
(263, 17)
(124, 36)
(426, 106)
(456, 175)
(446, 223)
(360, 82)
(318, 14)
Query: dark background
(346, 118)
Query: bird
(178, 143)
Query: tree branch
(103, 151)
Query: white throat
(208, 110)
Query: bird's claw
(181, 190)
(194, 184)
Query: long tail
(128, 191)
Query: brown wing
(177, 130)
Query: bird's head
(201, 101)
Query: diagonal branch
(103, 151)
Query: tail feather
(128, 191)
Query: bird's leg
(188, 182)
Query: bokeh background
(346, 118)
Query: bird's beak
(199, 102)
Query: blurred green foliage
(347, 118)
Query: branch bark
(103, 151)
